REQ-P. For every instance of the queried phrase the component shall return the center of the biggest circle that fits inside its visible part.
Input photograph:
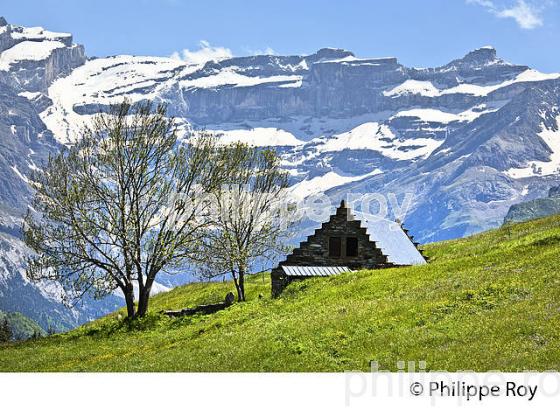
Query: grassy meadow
(487, 302)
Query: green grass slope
(488, 302)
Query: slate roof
(391, 239)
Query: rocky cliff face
(537, 208)
(30, 60)
(25, 144)
(334, 83)
(466, 140)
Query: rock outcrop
(537, 208)
(32, 58)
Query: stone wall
(315, 250)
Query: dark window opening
(335, 248)
(351, 246)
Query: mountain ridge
(467, 139)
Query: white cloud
(268, 51)
(206, 52)
(484, 3)
(527, 15)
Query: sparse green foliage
(249, 217)
(120, 206)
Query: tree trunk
(241, 287)
(129, 299)
(143, 299)
(240, 294)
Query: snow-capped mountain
(467, 139)
(30, 59)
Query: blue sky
(419, 32)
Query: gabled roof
(391, 240)
(314, 270)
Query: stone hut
(348, 241)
